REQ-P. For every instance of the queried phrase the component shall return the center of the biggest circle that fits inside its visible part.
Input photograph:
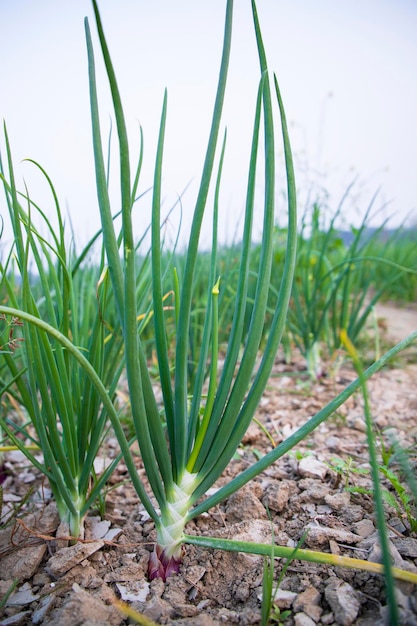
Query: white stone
(310, 467)
(134, 591)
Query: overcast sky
(347, 70)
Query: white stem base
(174, 516)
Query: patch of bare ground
(323, 487)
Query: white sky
(347, 71)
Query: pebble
(334, 443)
(80, 607)
(277, 496)
(358, 423)
(16, 620)
(352, 513)
(310, 467)
(364, 528)
(338, 501)
(22, 596)
(134, 590)
(67, 558)
(96, 528)
(44, 608)
(308, 602)
(343, 601)
(313, 490)
(284, 599)
(319, 536)
(244, 505)
(308, 596)
(397, 524)
(375, 554)
(101, 463)
(24, 561)
(406, 546)
(301, 619)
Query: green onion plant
(335, 286)
(203, 430)
(202, 434)
(43, 277)
(399, 249)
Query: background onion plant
(342, 272)
(45, 278)
(74, 368)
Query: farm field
(308, 489)
(193, 435)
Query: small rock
(324, 509)
(257, 530)
(81, 608)
(96, 528)
(134, 591)
(101, 463)
(19, 619)
(156, 609)
(186, 610)
(41, 579)
(334, 443)
(113, 534)
(14, 456)
(310, 467)
(397, 524)
(277, 496)
(338, 501)
(301, 619)
(406, 546)
(359, 424)
(313, 611)
(284, 599)
(319, 536)
(67, 558)
(364, 528)
(308, 596)
(5, 586)
(125, 573)
(343, 601)
(244, 505)
(334, 547)
(24, 561)
(228, 616)
(62, 536)
(375, 554)
(242, 592)
(313, 490)
(194, 574)
(308, 602)
(10, 497)
(45, 607)
(405, 613)
(252, 434)
(22, 596)
(84, 575)
(352, 513)
(370, 618)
